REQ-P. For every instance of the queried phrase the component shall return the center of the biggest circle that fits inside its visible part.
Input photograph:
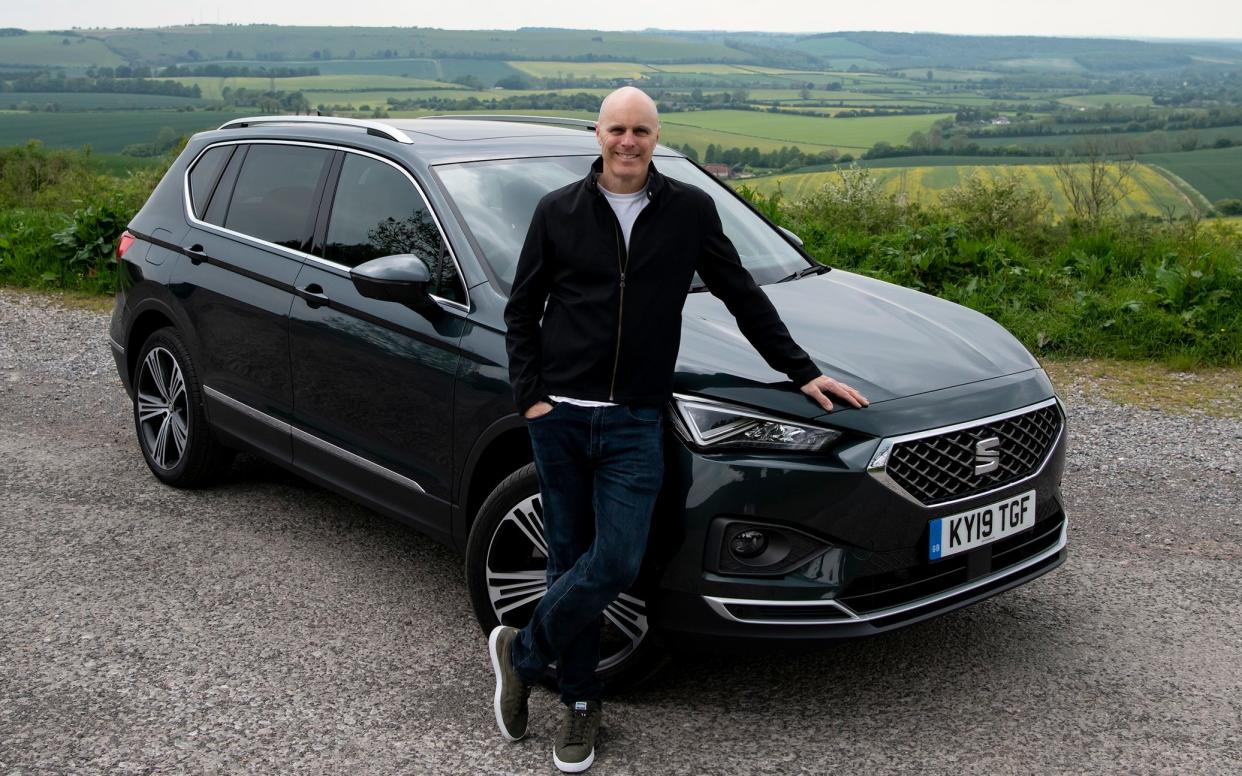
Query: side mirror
(401, 278)
(796, 239)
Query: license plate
(980, 526)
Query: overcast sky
(1077, 18)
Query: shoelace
(579, 721)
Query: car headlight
(715, 426)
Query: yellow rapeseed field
(1148, 191)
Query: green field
(1150, 192)
(1216, 172)
(212, 87)
(106, 132)
(212, 42)
(705, 68)
(582, 69)
(944, 74)
(83, 101)
(1100, 100)
(806, 132)
(40, 48)
(1205, 137)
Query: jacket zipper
(621, 267)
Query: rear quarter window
(204, 176)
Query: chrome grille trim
(878, 468)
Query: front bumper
(874, 574)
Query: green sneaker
(574, 750)
(511, 691)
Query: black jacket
(612, 323)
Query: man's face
(628, 130)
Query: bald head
(629, 99)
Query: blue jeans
(599, 470)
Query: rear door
(373, 380)
(251, 225)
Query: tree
(1093, 184)
(1229, 207)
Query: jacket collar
(655, 181)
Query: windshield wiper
(814, 269)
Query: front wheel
(506, 563)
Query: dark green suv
(328, 293)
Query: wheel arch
(149, 320)
(502, 449)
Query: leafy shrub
(1229, 207)
(86, 246)
(1004, 205)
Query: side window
(204, 176)
(274, 197)
(378, 212)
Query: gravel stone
(268, 626)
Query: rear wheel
(169, 418)
(506, 563)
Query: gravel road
(267, 626)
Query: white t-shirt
(627, 207)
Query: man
(594, 324)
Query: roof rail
(376, 128)
(520, 119)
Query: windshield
(497, 199)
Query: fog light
(749, 543)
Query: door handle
(314, 295)
(196, 253)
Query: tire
(505, 569)
(169, 418)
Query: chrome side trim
(374, 127)
(311, 439)
(717, 604)
(246, 409)
(357, 460)
(879, 461)
(118, 347)
(187, 202)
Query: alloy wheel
(517, 559)
(163, 413)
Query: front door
(373, 380)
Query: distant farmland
(107, 131)
(212, 87)
(1215, 172)
(1150, 192)
(806, 132)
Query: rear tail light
(123, 244)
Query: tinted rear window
(204, 176)
(274, 196)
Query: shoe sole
(574, 767)
(495, 655)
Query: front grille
(941, 468)
(894, 588)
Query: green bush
(1229, 207)
(1117, 288)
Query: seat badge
(987, 455)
